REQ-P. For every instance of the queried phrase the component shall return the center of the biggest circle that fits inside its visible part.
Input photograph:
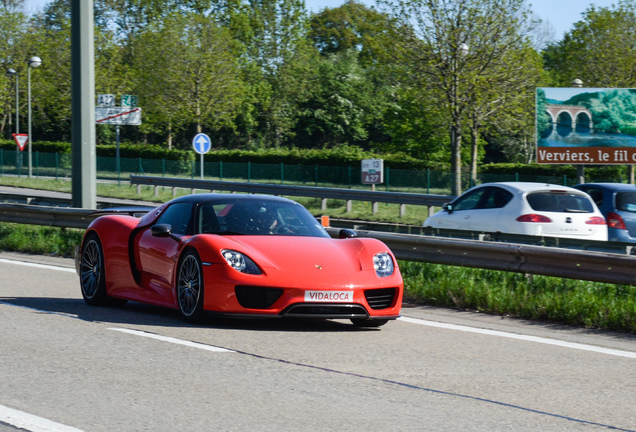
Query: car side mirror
(448, 207)
(161, 230)
(347, 233)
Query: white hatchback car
(523, 208)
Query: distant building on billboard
(590, 126)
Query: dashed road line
(31, 422)
(171, 340)
(527, 338)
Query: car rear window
(626, 201)
(549, 201)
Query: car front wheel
(190, 287)
(92, 275)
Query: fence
(58, 165)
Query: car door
(478, 209)
(157, 255)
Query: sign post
(201, 144)
(21, 140)
(372, 172)
(108, 113)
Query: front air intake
(256, 297)
(381, 298)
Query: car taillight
(615, 221)
(533, 218)
(595, 220)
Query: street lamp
(33, 63)
(13, 73)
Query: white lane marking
(171, 340)
(522, 337)
(43, 266)
(31, 423)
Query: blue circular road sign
(201, 143)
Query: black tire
(92, 275)
(190, 287)
(368, 322)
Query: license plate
(329, 296)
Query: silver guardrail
(348, 195)
(63, 217)
(520, 258)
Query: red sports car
(242, 255)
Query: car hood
(307, 253)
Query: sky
(561, 14)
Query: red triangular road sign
(21, 140)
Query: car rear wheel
(92, 276)
(190, 287)
(368, 322)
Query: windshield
(257, 217)
(550, 201)
(626, 201)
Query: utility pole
(84, 160)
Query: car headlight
(383, 264)
(240, 262)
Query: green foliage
(594, 50)
(39, 239)
(533, 172)
(346, 102)
(352, 26)
(186, 73)
(40, 146)
(567, 301)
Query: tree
(351, 26)
(187, 74)
(279, 65)
(600, 49)
(507, 91)
(13, 30)
(451, 44)
(342, 106)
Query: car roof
(207, 197)
(529, 186)
(611, 186)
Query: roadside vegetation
(541, 298)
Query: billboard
(586, 126)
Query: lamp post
(13, 73)
(33, 63)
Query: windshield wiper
(567, 210)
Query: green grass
(39, 240)
(547, 299)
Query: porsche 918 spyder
(238, 255)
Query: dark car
(617, 202)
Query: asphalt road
(66, 366)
